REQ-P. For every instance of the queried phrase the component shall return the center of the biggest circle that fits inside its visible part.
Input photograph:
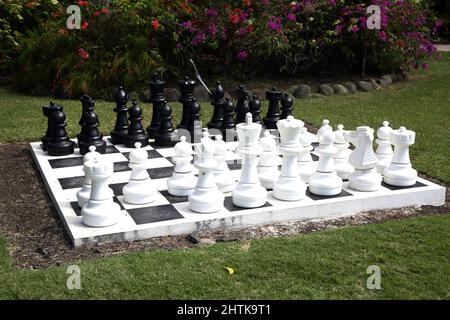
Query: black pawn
(136, 132)
(47, 110)
(187, 96)
(195, 125)
(287, 106)
(242, 107)
(91, 134)
(228, 125)
(157, 99)
(218, 103)
(59, 143)
(85, 102)
(273, 113)
(166, 135)
(121, 127)
(255, 109)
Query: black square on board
(173, 199)
(111, 149)
(151, 154)
(228, 203)
(117, 188)
(394, 188)
(71, 182)
(121, 166)
(77, 209)
(317, 197)
(154, 146)
(159, 173)
(154, 214)
(66, 162)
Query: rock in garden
(375, 84)
(365, 86)
(351, 87)
(144, 96)
(317, 95)
(227, 238)
(339, 89)
(193, 237)
(302, 91)
(386, 80)
(171, 94)
(201, 94)
(326, 90)
(394, 77)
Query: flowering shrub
(125, 41)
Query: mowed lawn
(413, 254)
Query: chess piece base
(249, 195)
(289, 189)
(306, 169)
(118, 137)
(139, 192)
(365, 180)
(60, 149)
(129, 141)
(224, 181)
(343, 168)
(325, 184)
(100, 214)
(400, 175)
(166, 140)
(383, 162)
(268, 176)
(100, 146)
(181, 184)
(206, 200)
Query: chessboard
(170, 215)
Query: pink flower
(274, 23)
(212, 12)
(425, 65)
(242, 55)
(291, 17)
(83, 53)
(382, 35)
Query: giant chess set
(239, 171)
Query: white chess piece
(206, 198)
(140, 188)
(306, 166)
(365, 177)
(183, 181)
(384, 151)
(400, 173)
(100, 210)
(343, 167)
(269, 161)
(248, 192)
(85, 192)
(289, 186)
(325, 127)
(325, 182)
(222, 174)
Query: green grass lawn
(413, 254)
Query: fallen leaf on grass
(230, 270)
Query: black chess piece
(242, 107)
(273, 113)
(47, 110)
(287, 106)
(157, 99)
(136, 132)
(228, 128)
(187, 95)
(121, 127)
(166, 135)
(255, 109)
(218, 103)
(59, 143)
(195, 125)
(85, 103)
(90, 132)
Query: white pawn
(182, 182)
(85, 192)
(400, 173)
(306, 166)
(100, 210)
(384, 151)
(140, 189)
(325, 182)
(289, 186)
(206, 197)
(325, 127)
(222, 175)
(248, 192)
(343, 167)
(365, 177)
(269, 161)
